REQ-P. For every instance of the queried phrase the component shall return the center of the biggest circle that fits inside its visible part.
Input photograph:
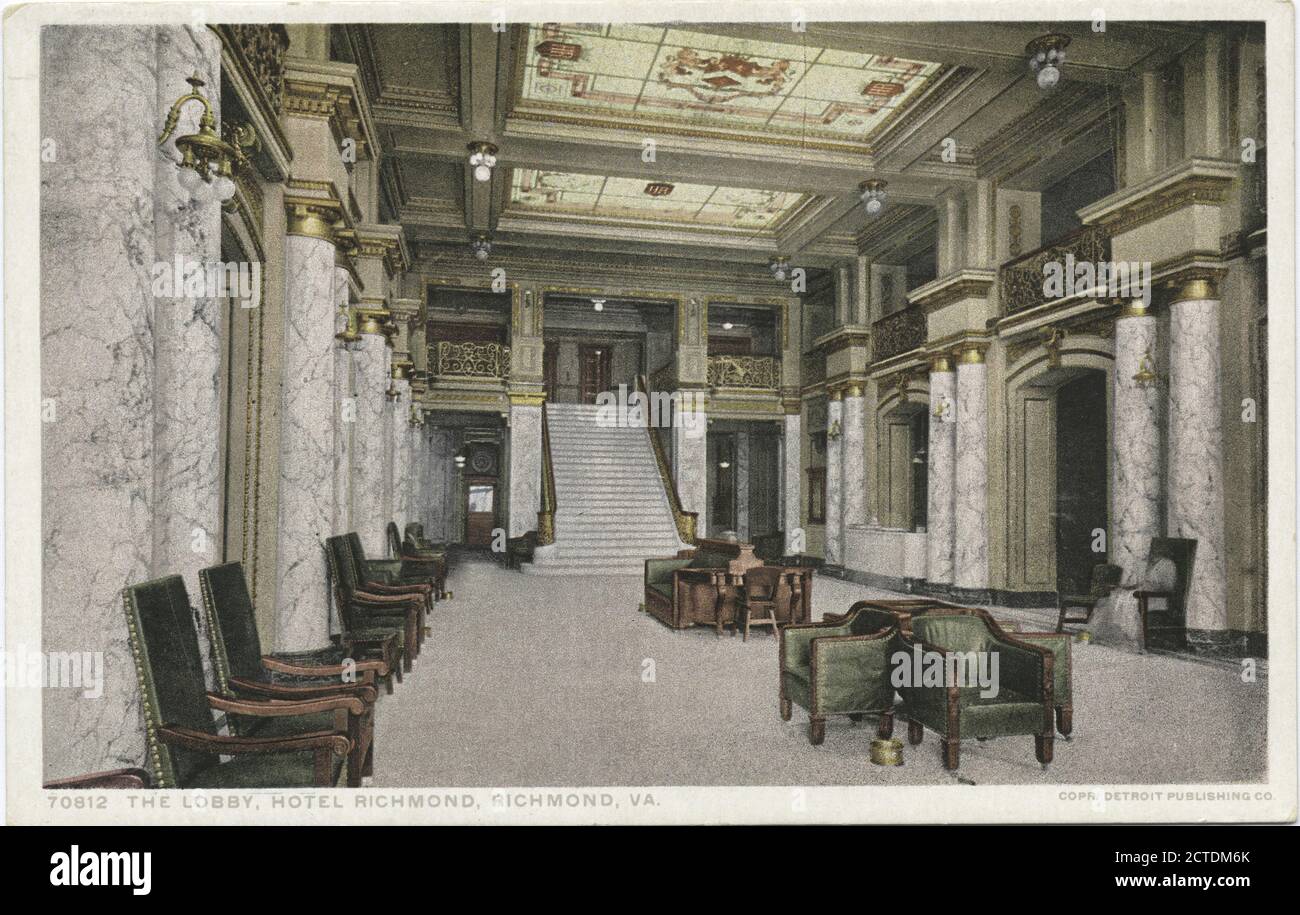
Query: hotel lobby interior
(615, 404)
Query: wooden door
(594, 362)
(550, 368)
(480, 510)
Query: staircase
(611, 512)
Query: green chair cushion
(262, 770)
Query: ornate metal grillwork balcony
(472, 360)
(1020, 282)
(758, 372)
(900, 332)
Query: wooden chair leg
(786, 709)
(1065, 720)
(1043, 749)
(915, 733)
(886, 728)
(951, 753)
(817, 731)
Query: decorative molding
(958, 285)
(1192, 182)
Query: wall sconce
(481, 245)
(482, 158)
(942, 409)
(780, 267)
(598, 304)
(872, 192)
(459, 459)
(206, 159)
(1146, 376)
(1046, 57)
(834, 431)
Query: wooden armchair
(371, 609)
(392, 576)
(127, 779)
(185, 750)
(425, 561)
(243, 671)
(1105, 578)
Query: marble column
(1195, 494)
(792, 510)
(1136, 474)
(971, 560)
(525, 467)
(834, 554)
(942, 507)
(403, 464)
(691, 458)
(187, 328)
(438, 523)
(344, 409)
(394, 428)
(741, 478)
(306, 438)
(97, 379)
(369, 452)
(853, 459)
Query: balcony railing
(1020, 282)
(900, 332)
(761, 373)
(471, 360)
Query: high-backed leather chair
(392, 576)
(1023, 705)
(839, 668)
(185, 750)
(242, 671)
(364, 609)
(1105, 578)
(421, 557)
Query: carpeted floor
(543, 682)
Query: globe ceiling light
(481, 245)
(780, 267)
(482, 158)
(1046, 58)
(872, 192)
(598, 304)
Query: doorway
(1080, 479)
(594, 369)
(480, 510)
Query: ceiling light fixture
(1046, 57)
(780, 267)
(598, 304)
(872, 192)
(727, 325)
(482, 158)
(481, 245)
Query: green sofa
(1025, 700)
(184, 748)
(839, 668)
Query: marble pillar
(792, 471)
(369, 453)
(1135, 468)
(396, 411)
(404, 465)
(1195, 494)
(438, 523)
(691, 458)
(187, 328)
(742, 486)
(306, 444)
(344, 410)
(971, 556)
(97, 379)
(942, 507)
(834, 480)
(525, 468)
(853, 460)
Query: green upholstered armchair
(242, 671)
(839, 668)
(365, 609)
(392, 576)
(1025, 698)
(185, 750)
(1060, 645)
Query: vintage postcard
(650, 413)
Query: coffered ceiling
(760, 134)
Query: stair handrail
(684, 520)
(546, 517)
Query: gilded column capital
(971, 353)
(1194, 284)
(373, 317)
(940, 362)
(314, 218)
(834, 393)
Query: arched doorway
(1058, 475)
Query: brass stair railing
(546, 517)
(684, 520)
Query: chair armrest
(283, 691)
(1144, 595)
(1026, 668)
(660, 571)
(384, 600)
(275, 708)
(270, 662)
(113, 778)
(796, 642)
(1059, 644)
(203, 742)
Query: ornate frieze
(260, 51)
(760, 372)
(900, 332)
(470, 359)
(1020, 282)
